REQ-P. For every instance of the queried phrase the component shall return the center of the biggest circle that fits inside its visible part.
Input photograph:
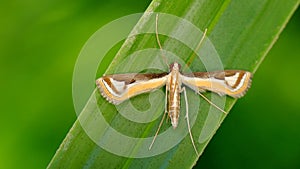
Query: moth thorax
(175, 66)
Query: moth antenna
(197, 48)
(158, 41)
(201, 40)
(205, 98)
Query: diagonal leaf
(242, 33)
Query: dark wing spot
(132, 81)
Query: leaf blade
(236, 51)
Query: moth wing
(234, 83)
(120, 87)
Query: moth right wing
(234, 83)
(120, 87)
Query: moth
(120, 87)
(117, 88)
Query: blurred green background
(40, 41)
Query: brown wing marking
(120, 87)
(234, 83)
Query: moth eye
(171, 66)
(179, 66)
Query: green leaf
(242, 32)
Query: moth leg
(166, 102)
(217, 107)
(161, 122)
(199, 90)
(187, 119)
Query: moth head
(175, 66)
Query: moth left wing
(234, 83)
(120, 87)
